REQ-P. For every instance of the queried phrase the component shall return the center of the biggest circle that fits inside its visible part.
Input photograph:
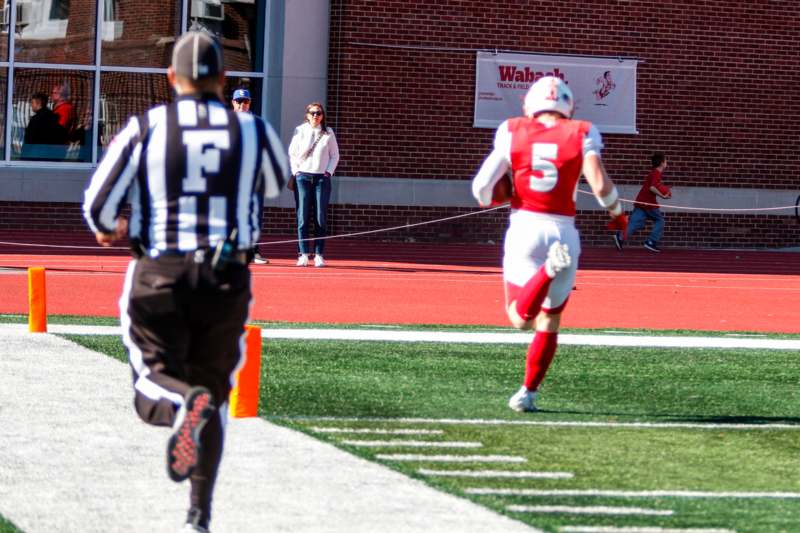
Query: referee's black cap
(197, 55)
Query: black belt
(241, 257)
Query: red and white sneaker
(183, 447)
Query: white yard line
(451, 458)
(473, 337)
(552, 423)
(410, 444)
(368, 431)
(597, 510)
(496, 474)
(633, 493)
(612, 529)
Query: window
(239, 24)
(139, 34)
(50, 88)
(52, 115)
(55, 31)
(127, 94)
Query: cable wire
(709, 209)
(795, 207)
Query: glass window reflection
(3, 85)
(55, 31)
(240, 26)
(126, 94)
(52, 115)
(139, 34)
(4, 29)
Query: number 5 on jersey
(203, 156)
(545, 172)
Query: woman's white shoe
(302, 260)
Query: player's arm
(603, 188)
(493, 168)
(109, 185)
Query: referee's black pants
(183, 325)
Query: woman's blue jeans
(312, 189)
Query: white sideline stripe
(471, 338)
(451, 458)
(600, 509)
(549, 423)
(410, 444)
(632, 493)
(379, 431)
(496, 474)
(612, 529)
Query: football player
(546, 152)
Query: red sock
(531, 295)
(540, 355)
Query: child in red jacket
(646, 206)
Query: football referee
(196, 175)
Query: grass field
(7, 527)
(717, 429)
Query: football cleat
(558, 259)
(183, 447)
(523, 401)
(618, 241)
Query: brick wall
(712, 72)
(682, 230)
(717, 92)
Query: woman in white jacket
(313, 154)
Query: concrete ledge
(59, 184)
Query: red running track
(389, 283)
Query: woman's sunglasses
(315, 113)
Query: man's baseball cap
(197, 55)
(241, 94)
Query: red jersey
(66, 115)
(546, 162)
(646, 196)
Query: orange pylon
(245, 393)
(37, 300)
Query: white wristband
(617, 211)
(609, 199)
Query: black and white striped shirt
(193, 171)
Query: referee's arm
(106, 193)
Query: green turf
(7, 527)
(375, 383)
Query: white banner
(604, 88)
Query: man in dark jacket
(44, 136)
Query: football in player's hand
(503, 191)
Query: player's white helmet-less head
(549, 94)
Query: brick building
(716, 92)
